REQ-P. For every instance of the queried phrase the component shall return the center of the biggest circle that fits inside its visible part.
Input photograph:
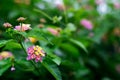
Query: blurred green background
(86, 54)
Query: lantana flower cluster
(5, 54)
(23, 27)
(55, 32)
(87, 24)
(35, 52)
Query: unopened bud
(40, 25)
(42, 20)
(12, 68)
(21, 19)
(59, 29)
(7, 25)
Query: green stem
(43, 13)
(21, 26)
(50, 18)
(23, 47)
(32, 62)
(65, 14)
(36, 67)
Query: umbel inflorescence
(35, 52)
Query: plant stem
(21, 26)
(32, 62)
(23, 47)
(43, 13)
(50, 18)
(36, 67)
(65, 14)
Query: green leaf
(24, 65)
(70, 49)
(39, 34)
(4, 42)
(52, 68)
(35, 32)
(57, 19)
(24, 34)
(4, 65)
(79, 44)
(55, 59)
(70, 27)
(82, 72)
(10, 46)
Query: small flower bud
(12, 68)
(21, 19)
(40, 25)
(59, 29)
(42, 20)
(7, 25)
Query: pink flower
(23, 28)
(87, 24)
(59, 4)
(60, 7)
(117, 5)
(35, 52)
(1, 57)
(54, 31)
(98, 2)
(5, 54)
